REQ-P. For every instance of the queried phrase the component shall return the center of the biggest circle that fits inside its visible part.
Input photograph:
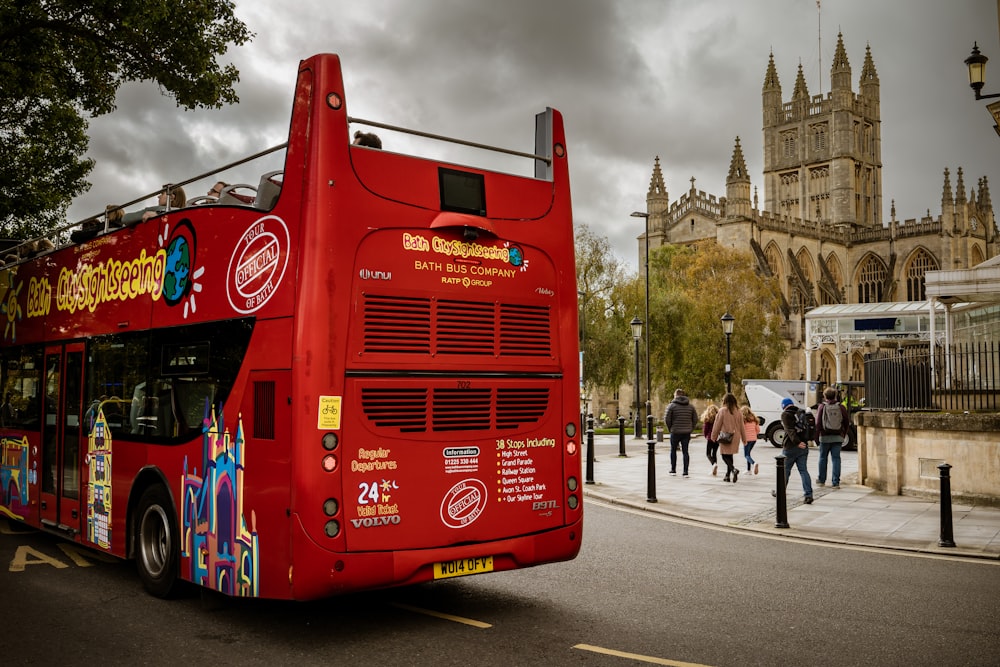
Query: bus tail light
(572, 502)
(332, 528)
(331, 507)
(329, 463)
(571, 448)
(572, 484)
(330, 441)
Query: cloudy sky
(634, 79)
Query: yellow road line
(636, 656)
(437, 614)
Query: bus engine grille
(426, 326)
(438, 409)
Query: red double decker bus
(359, 373)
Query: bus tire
(157, 542)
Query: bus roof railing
(180, 184)
(350, 119)
(395, 128)
(112, 207)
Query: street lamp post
(649, 391)
(977, 72)
(976, 63)
(636, 325)
(727, 328)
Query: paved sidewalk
(853, 514)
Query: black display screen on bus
(462, 192)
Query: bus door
(61, 436)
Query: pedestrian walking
(832, 421)
(751, 431)
(795, 446)
(711, 446)
(728, 432)
(680, 419)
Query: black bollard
(650, 464)
(621, 437)
(590, 449)
(947, 538)
(781, 520)
(638, 427)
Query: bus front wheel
(156, 541)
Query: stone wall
(899, 454)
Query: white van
(765, 396)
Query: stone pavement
(853, 514)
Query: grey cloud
(634, 79)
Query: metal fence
(962, 377)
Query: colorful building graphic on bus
(99, 489)
(223, 553)
(14, 476)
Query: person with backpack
(680, 418)
(795, 446)
(833, 422)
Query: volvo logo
(370, 521)
(368, 274)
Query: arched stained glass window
(920, 263)
(871, 277)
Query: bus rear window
(462, 191)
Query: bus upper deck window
(462, 191)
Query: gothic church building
(821, 229)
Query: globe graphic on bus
(516, 256)
(177, 270)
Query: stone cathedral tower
(821, 229)
(823, 155)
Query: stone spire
(960, 189)
(771, 76)
(738, 186)
(801, 92)
(946, 195)
(657, 199)
(771, 94)
(868, 74)
(738, 165)
(840, 71)
(869, 85)
(656, 183)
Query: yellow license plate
(462, 567)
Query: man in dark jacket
(680, 419)
(795, 448)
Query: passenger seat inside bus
(268, 190)
(231, 197)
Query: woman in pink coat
(729, 420)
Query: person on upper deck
(216, 190)
(177, 200)
(369, 139)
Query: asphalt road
(645, 590)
